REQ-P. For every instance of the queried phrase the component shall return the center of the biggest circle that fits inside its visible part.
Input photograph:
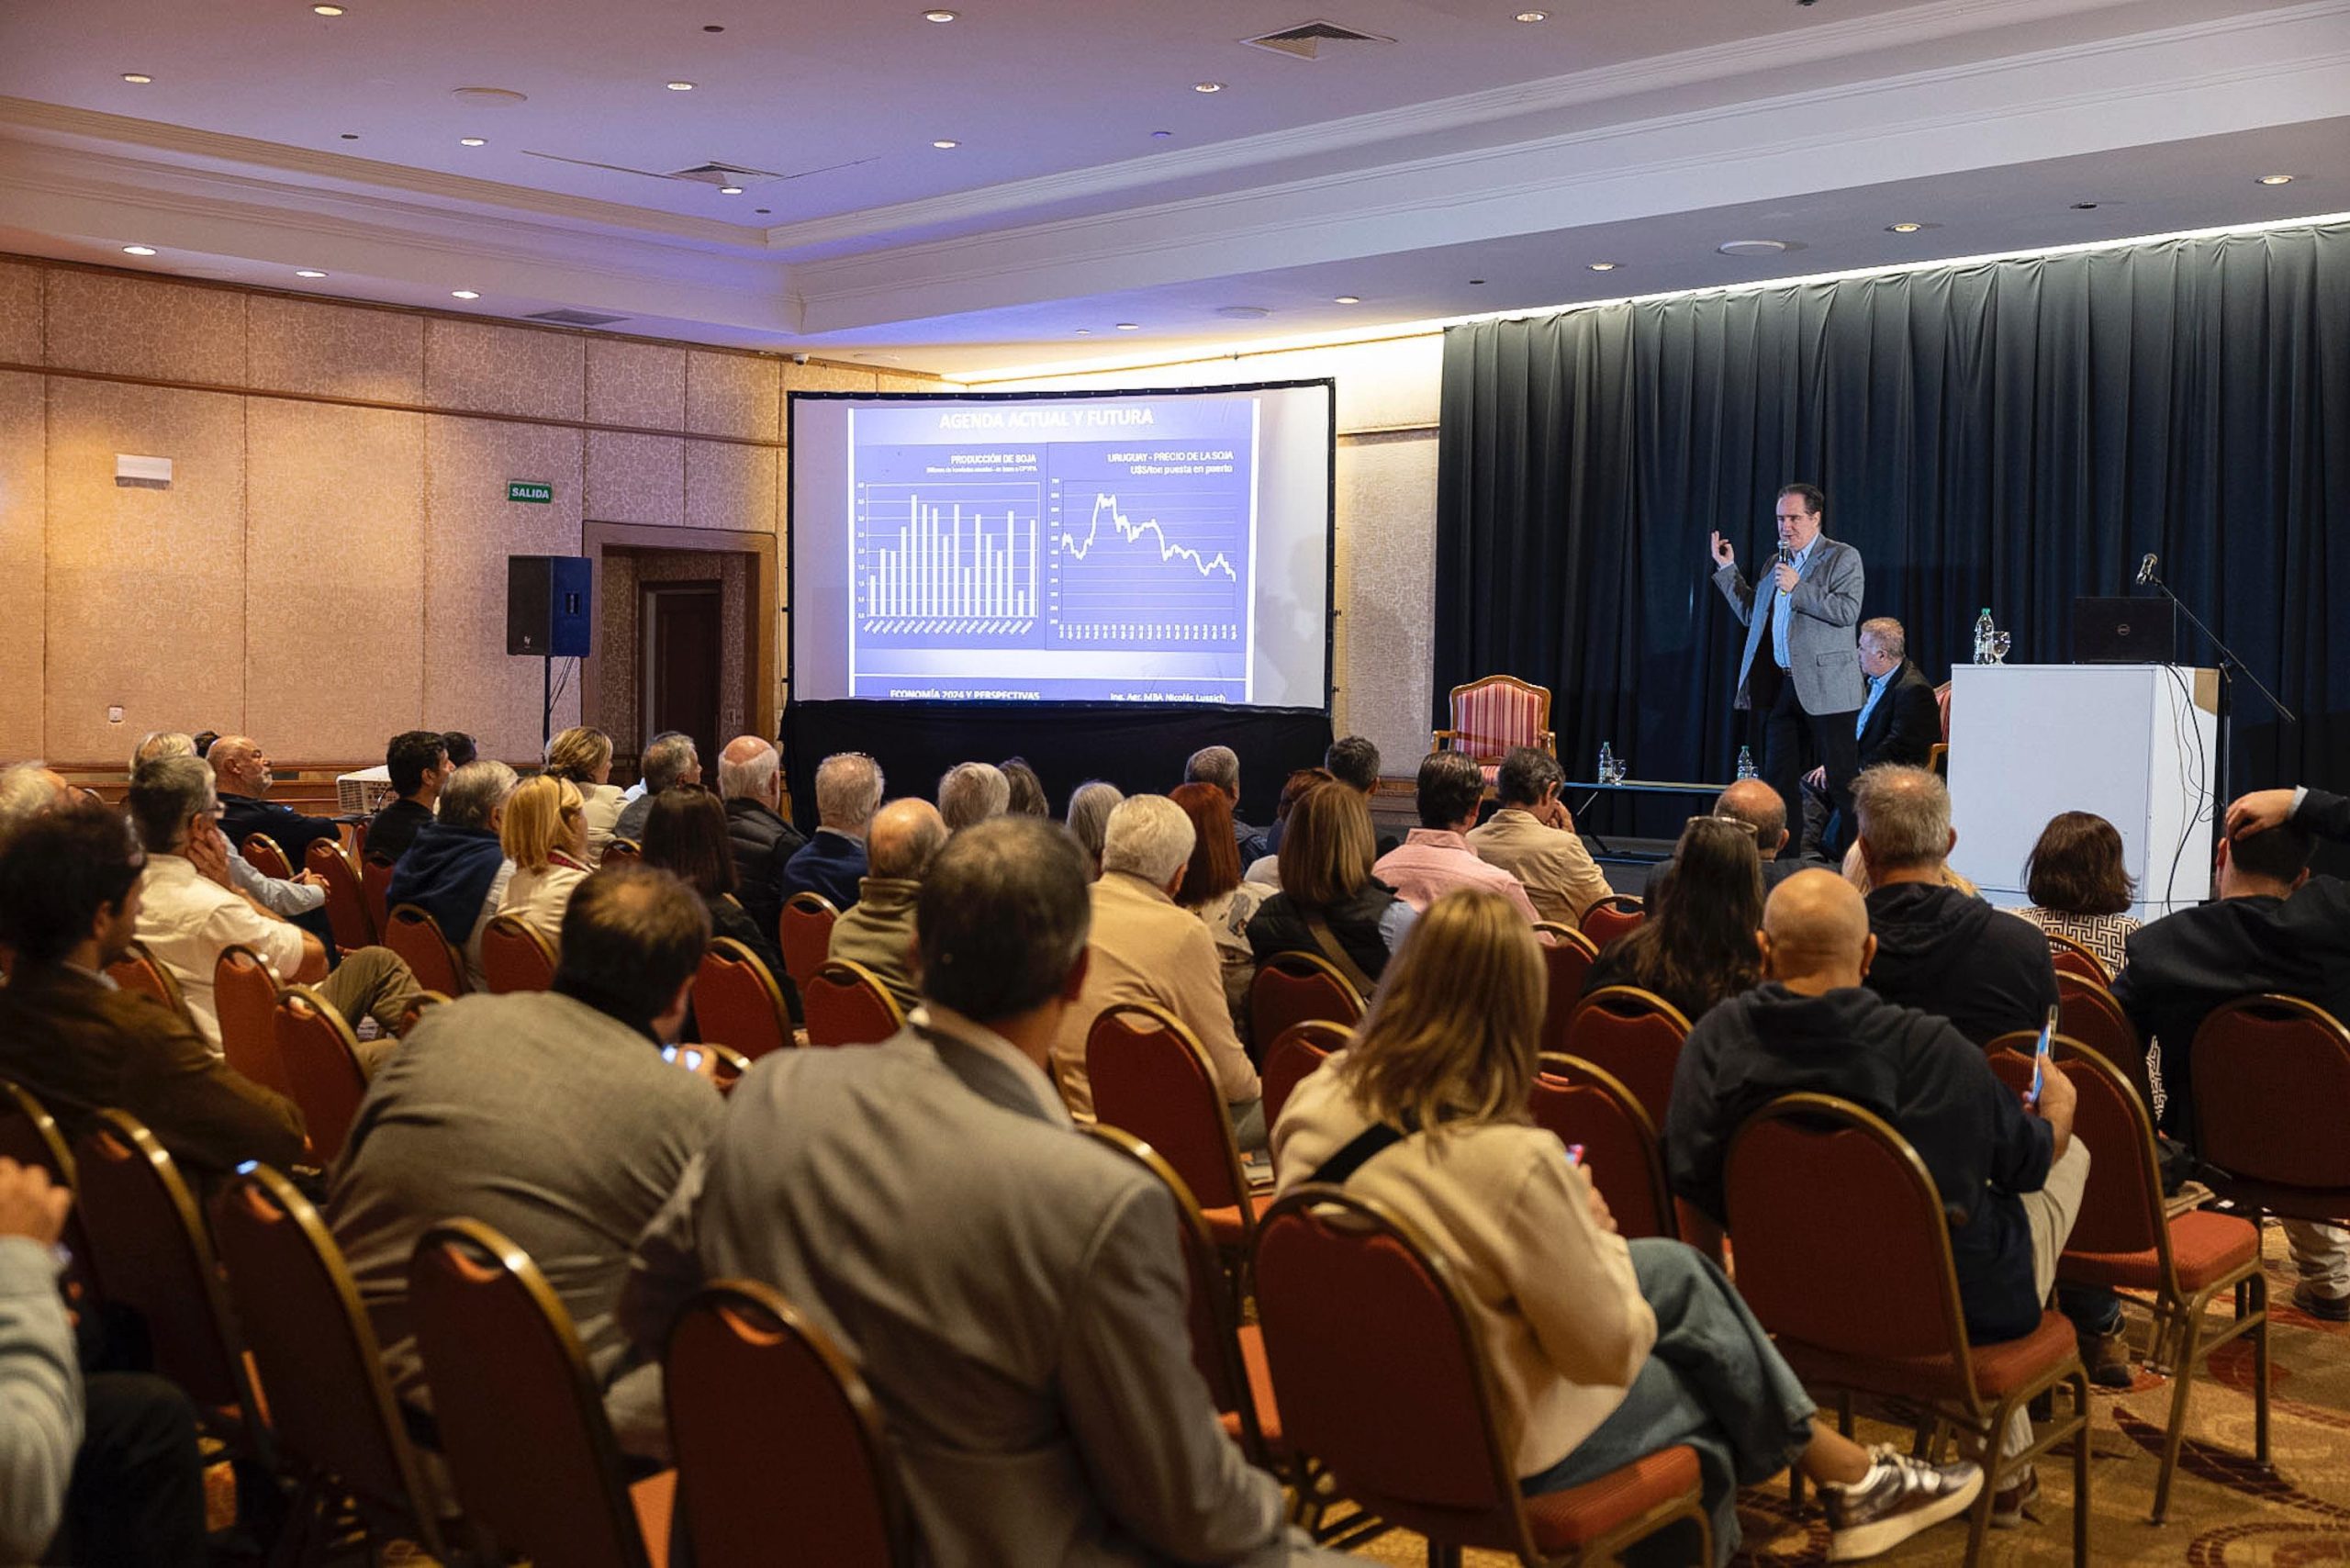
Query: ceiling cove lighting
(308, 272)
(1903, 228)
(2276, 179)
(1207, 86)
(946, 144)
(1603, 266)
(472, 141)
(1130, 326)
(1534, 16)
(938, 15)
(729, 190)
(1347, 299)
(137, 78)
(464, 294)
(139, 250)
(679, 86)
(328, 10)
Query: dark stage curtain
(2010, 434)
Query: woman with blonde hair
(583, 754)
(1601, 1351)
(545, 833)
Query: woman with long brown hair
(1697, 944)
(1211, 889)
(1601, 1351)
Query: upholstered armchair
(1492, 715)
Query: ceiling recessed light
(1243, 312)
(472, 141)
(712, 28)
(351, 136)
(1752, 247)
(936, 15)
(729, 190)
(490, 97)
(1085, 331)
(762, 210)
(328, 10)
(308, 272)
(1603, 266)
(1347, 299)
(2276, 179)
(1130, 326)
(679, 87)
(1476, 282)
(139, 250)
(2085, 206)
(137, 78)
(946, 143)
(1903, 228)
(1207, 86)
(1534, 16)
(463, 294)
(1161, 135)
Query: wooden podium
(2135, 743)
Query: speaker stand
(546, 703)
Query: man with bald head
(242, 773)
(1755, 803)
(878, 931)
(750, 780)
(2010, 1174)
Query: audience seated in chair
(685, 832)
(2078, 888)
(1939, 949)
(463, 752)
(27, 790)
(583, 754)
(1533, 837)
(1265, 872)
(878, 931)
(102, 1470)
(1090, 805)
(2011, 1175)
(833, 860)
(972, 793)
(418, 761)
(1027, 798)
(188, 911)
(1212, 890)
(244, 778)
(1330, 904)
(1898, 722)
(1145, 947)
(549, 1116)
(456, 870)
(543, 832)
(2274, 928)
(301, 899)
(1220, 765)
(1436, 856)
(1601, 1351)
(1696, 945)
(750, 783)
(69, 902)
(1755, 803)
(670, 759)
(1052, 1301)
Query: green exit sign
(525, 490)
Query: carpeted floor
(2225, 1512)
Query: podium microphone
(2146, 570)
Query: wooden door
(682, 665)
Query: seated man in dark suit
(750, 784)
(1898, 722)
(68, 902)
(1006, 1285)
(2274, 928)
(1755, 803)
(243, 774)
(418, 761)
(848, 791)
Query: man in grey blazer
(1010, 1290)
(1801, 666)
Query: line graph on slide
(1149, 564)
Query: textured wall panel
(140, 326)
(24, 484)
(470, 681)
(636, 384)
(636, 479)
(504, 370)
(729, 486)
(336, 350)
(334, 574)
(146, 601)
(1386, 585)
(732, 393)
(20, 290)
(821, 379)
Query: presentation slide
(1142, 547)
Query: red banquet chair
(2087, 1014)
(1341, 1284)
(1299, 988)
(737, 1003)
(245, 999)
(1585, 1104)
(264, 855)
(846, 1004)
(1618, 914)
(1635, 1036)
(1567, 955)
(137, 971)
(346, 904)
(2071, 958)
(514, 957)
(416, 937)
(2253, 1057)
(1295, 1055)
(374, 892)
(320, 1056)
(1151, 1076)
(803, 935)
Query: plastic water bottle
(1983, 632)
(1607, 763)
(1746, 762)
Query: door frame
(764, 621)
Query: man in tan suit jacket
(1534, 839)
(878, 930)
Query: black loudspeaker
(2123, 632)
(547, 605)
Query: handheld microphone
(2146, 570)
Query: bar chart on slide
(950, 558)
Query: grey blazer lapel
(984, 1076)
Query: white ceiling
(1473, 147)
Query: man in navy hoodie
(456, 870)
(2013, 1174)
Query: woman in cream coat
(545, 833)
(1601, 1351)
(583, 754)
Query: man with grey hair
(878, 929)
(750, 783)
(972, 792)
(301, 901)
(244, 776)
(188, 912)
(1146, 947)
(1220, 765)
(456, 870)
(997, 1274)
(27, 790)
(1090, 805)
(1533, 837)
(832, 862)
(1898, 722)
(670, 759)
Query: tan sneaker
(1898, 1497)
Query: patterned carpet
(2225, 1512)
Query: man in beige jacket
(1534, 839)
(1146, 947)
(878, 930)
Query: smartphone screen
(2039, 1056)
(1574, 1154)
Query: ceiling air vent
(1305, 41)
(574, 318)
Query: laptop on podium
(2124, 631)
